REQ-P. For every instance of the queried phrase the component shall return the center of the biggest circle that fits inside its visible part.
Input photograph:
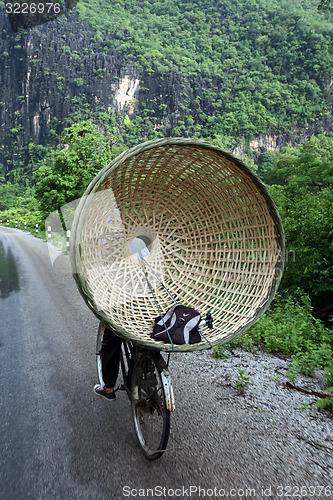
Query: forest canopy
(236, 71)
(243, 69)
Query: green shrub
(242, 380)
(289, 328)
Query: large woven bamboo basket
(208, 231)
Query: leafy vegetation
(81, 156)
(24, 214)
(325, 5)
(256, 67)
(242, 380)
(217, 71)
(326, 402)
(301, 184)
(300, 180)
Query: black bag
(182, 324)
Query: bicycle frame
(146, 381)
(131, 353)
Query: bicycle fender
(168, 390)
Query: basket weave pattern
(216, 240)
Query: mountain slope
(236, 70)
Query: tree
(302, 190)
(325, 5)
(84, 151)
(309, 168)
(8, 195)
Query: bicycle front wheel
(150, 414)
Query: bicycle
(146, 381)
(174, 219)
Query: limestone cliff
(48, 73)
(63, 70)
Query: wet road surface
(58, 441)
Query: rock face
(126, 92)
(50, 72)
(59, 69)
(63, 71)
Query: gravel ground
(270, 438)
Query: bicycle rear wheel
(150, 414)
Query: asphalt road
(58, 441)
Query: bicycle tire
(150, 415)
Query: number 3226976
(304, 491)
(33, 8)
